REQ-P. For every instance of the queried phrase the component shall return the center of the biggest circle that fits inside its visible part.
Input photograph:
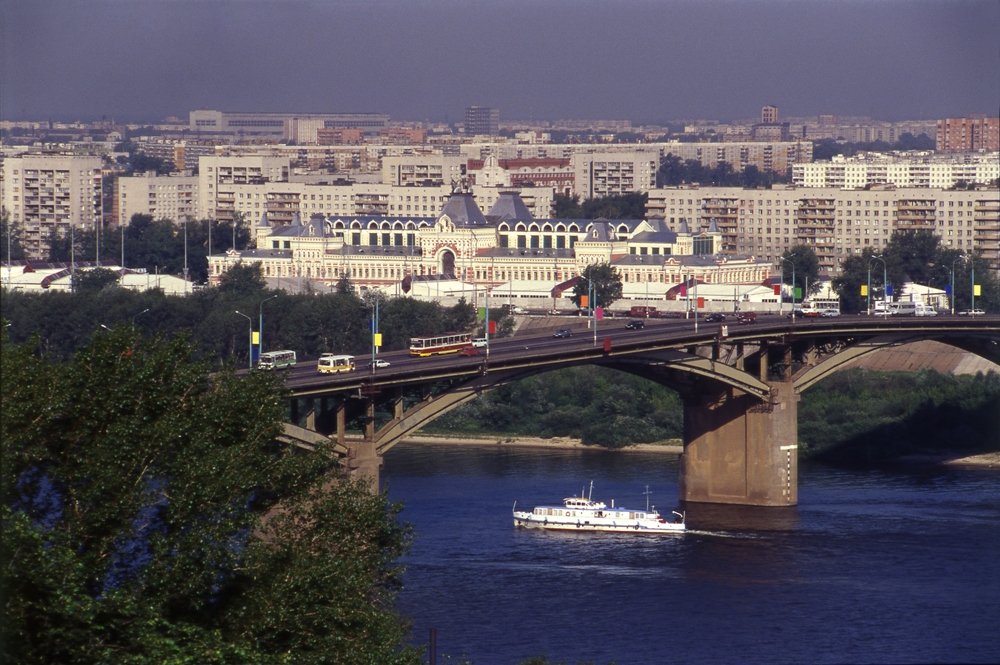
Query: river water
(871, 566)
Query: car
(830, 312)
(518, 310)
(563, 332)
(715, 317)
(671, 315)
(635, 325)
(554, 312)
(797, 313)
(378, 363)
(479, 342)
(972, 312)
(746, 317)
(468, 351)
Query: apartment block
(51, 192)
(219, 174)
(294, 126)
(482, 121)
(163, 197)
(834, 222)
(902, 170)
(423, 169)
(614, 173)
(965, 134)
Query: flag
(888, 290)
(977, 290)
(378, 340)
(584, 301)
(777, 289)
(493, 327)
(255, 338)
(599, 313)
(701, 303)
(864, 290)
(947, 289)
(482, 312)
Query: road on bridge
(657, 332)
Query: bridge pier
(740, 450)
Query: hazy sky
(647, 61)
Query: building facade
(482, 121)
(51, 193)
(507, 251)
(834, 222)
(901, 169)
(172, 196)
(968, 134)
(281, 125)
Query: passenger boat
(583, 514)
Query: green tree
(94, 281)
(243, 280)
(605, 279)
(149, 516)
(847, 285)
(803, 257)
(11, 248)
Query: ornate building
(506, 249)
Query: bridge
(740, 386)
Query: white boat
(583, 514)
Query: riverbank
(672, 447)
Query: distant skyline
(645, 61)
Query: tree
(149, 516)
(11, 248)
(607, 281)
(243, 280)
(803, 257)
(847, 285)
(94, 281)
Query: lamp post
(185, 255)
(139, 314)
(260, 335)
(959, 258)
(789, 260)
(885, 286)
(972, 287)
(250, 340)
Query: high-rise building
(482, 121)
(51, 193)
(769, 115)
(966, 134)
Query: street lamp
(885, 286)
(185, 255)
(959, 258)
(139, 314)
(260, 335)
(782, 278)
(250, 340)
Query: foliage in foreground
(148, 516)
(308, 324)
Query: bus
(641, 311)
(330, 363)
(822, 307)
(276, 360)
(447, 343)
(903, 308)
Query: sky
(640, 60)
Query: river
(870, 567)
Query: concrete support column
(370, 420)
(764, 369)
(363, 461)
(740, 450)
(341, 422)
(397, 404)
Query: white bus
(276, 360)
(330, 363)
(822, 307)
(903, 308)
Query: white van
(904, 308)
(925, 310)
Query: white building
(172, 196)
(219, 174)
(901, 169)
(507, 251)
(51, 192)
(835, 222)
(600, 174)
